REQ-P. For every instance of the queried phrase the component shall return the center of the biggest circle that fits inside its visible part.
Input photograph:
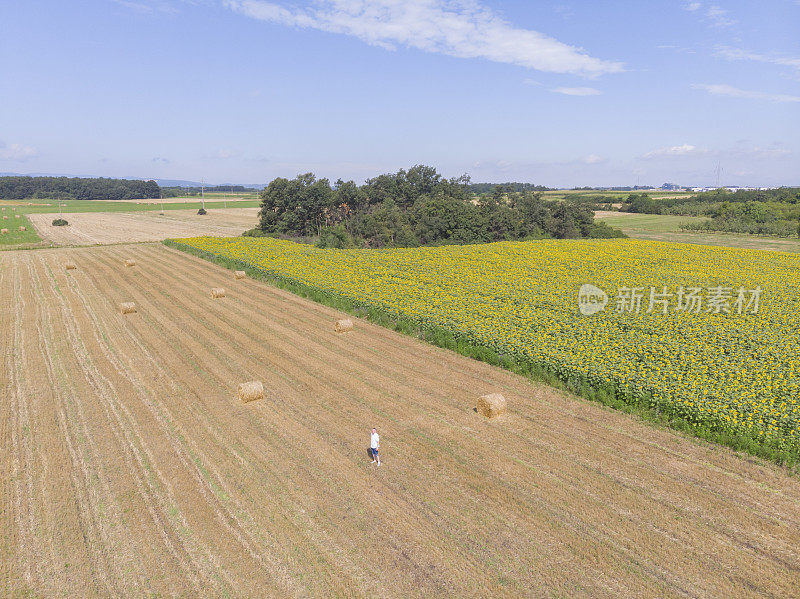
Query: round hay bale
(70, 265)
(343, 325)
(5, 218)
(3, 231)
(251, 391)
(491, 405)
(22, 229)
(239, 274)
(130, 262)
(217, 292)
(17, 216)
(127, 308)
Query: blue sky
(559, 93)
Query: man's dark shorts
(374, 452)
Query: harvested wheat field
(129, 466)
(87, 228)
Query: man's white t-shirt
(376, 440)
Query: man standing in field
(374, 447)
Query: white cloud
(682, 150)
(719, 17)
(16, 152)
(716, 15)
(737, 54)
(577, 91)
(735, 92)
(460, 28)
(593, 159)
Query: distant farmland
(123, 227)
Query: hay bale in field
(251, 391)
(217, 292)
(5, 218)
(22, 229)
(491, 405)
(127, 308)
(239, 274)
(3, 231)
(343, 325)
(130, 262)
(70, 265)
(17, 216)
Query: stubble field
(124, 227)
(128, 466)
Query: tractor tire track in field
(221, 436)
(129, 427)
(55, 496)
(161, 416)
(115, 416)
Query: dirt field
(119, 227)
(128, 466)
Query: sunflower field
(710, 334)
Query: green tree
(301, 206)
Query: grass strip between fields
(642, 405)
(15, 237)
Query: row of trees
(760, 212)
(709, 202)
(415, 207)
(76, 188)
(175, 192)
(482, 188)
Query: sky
(563, 93)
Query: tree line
(76, 188)
(415, 207)
(481, 188)
(176, 192)
(760, 212)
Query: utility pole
(161, 195)
(203, 192)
